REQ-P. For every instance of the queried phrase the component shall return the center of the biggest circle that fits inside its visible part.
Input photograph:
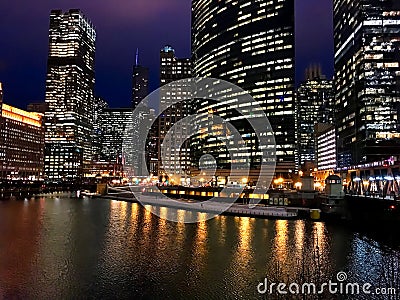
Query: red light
(392, 207)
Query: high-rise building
(69, 95)
(176, 156)
(115, 125)
(314, 104)
(99, 105)
(140, 82)
(249, 43)
(367, 80)
(325, 147)
(21, 143)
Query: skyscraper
(176, 159)
(249, 43)
(314, 104)
(140, 82)
(69, 95)
(115, 126)
(367, 79)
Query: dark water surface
(92, 248)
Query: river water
(62, 248)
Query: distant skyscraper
(99, 105)
(367, 79)
(115, 126)
(176, 159)
(251, 44)
(140, 82)
(314, 104)
(69, 95)
(40, 107)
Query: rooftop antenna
(137, 56)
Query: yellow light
(280, 180)
(300, 173)
(22, 116)
(298, 185)
(317, 184)
(244, 180)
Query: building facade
(174, 153)
(367, 80)
(250, 44)
(21, 144)
(116, 129)
(69, 96)
(325, 147)
(314, 104)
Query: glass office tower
(69, 95)
(249, 43)
(367, 72)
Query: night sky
(122, 26)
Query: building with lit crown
(21, 143)
(250, 44)
(367, 80)
(69, 96)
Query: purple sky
(122, 26)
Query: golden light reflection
(162, 222)
(180, 226)
(299, 236)
(243, 253)
(200, 242)
(245, 234)
(319, 236)
(134, 218)
(146, 225)
(122, 210)
(281, 239)
(222, 229)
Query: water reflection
(68, 248)
(281, 239)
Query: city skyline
(137, 26)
